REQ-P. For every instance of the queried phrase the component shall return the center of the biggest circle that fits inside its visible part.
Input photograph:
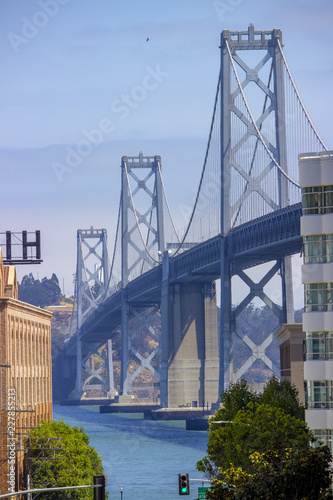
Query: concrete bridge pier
(190, 360)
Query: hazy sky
(67, 69)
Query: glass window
(329, 296)
(319, 345)
(328, 199)
(329, 247)
(312, 200)
(318, 297)
(320, 393)
(314, 248)
(329, 345)
(315, 345)
(323, 437)
(317, 200)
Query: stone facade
(316, 180)
(25, 375)
(292, 339)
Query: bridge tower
(92, 277)
(142, 245)
(234, 148)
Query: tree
(236, 398)
(282, 473)
(39, 293)
(57, 343)
(263, 447)
(30, 291)
(283, 395)
(51, 289)
(76, 464)
(249, 412)
(258, 428)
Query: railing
(199, 256)
(148, 281)
(281, 225)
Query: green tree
(236, 398)
(39, 293)
(262, 448)
(30, 290)
(282, 395)
(279, 474)
(249, 412)
(57, 343)
(51, 289)
(75, 465)
(258, 428)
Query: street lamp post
(121, 493)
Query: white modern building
(316, 180)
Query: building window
(319, 345)
(318, 248)
(317, 200)
(318, 297)
(323, 437)
(320, 393)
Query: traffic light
(99, 493)
(184, 484)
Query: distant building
(316, 180)
(291, 338)
(25, 375)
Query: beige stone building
(25, 375)
(292, 339)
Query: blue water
(143, 457)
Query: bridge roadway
(267, 238)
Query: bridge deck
(265, 239)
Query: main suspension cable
(167, 202)
(115, 245)
(204, 167)
(299, 98)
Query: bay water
(144, 457)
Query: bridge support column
(164, 330)
(193, 345)
(78, 392)
(111, 392)
(226, 366)
(287, 290)
(212, 362)
(124, 347)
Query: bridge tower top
(251, 39)
(92, 272)
(253, 125)
(142, 227)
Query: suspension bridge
(246, 213)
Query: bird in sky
(147, 39)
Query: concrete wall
(193, 366)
